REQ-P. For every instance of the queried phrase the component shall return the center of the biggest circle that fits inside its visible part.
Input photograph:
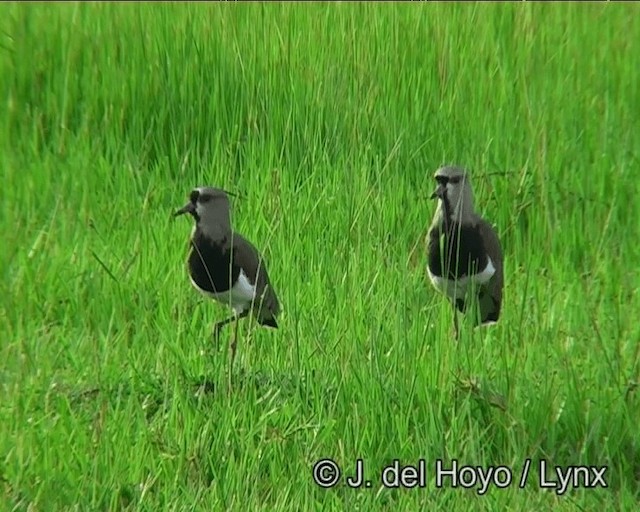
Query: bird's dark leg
(233, 345)
(232, 350)
(218, 327)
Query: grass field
(330, 120)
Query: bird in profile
(464, 256)
(225, 266)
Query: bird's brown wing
(248, 257)
(491, 299)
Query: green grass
(330, 120)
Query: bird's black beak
(187, 208)
(439, 192)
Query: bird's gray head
(454, 192)
(210, 209)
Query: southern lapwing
(225, 266)
(463, 251)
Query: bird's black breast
(462, 252)
(210, 264)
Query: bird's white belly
(239, 297)
(457, 288)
